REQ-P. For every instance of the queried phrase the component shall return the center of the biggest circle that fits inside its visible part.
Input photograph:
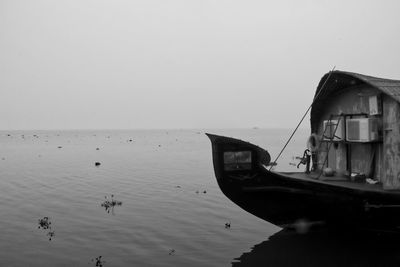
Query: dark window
(237, 160)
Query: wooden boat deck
(339, 181)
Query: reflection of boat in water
(355, 126)
(323, 248)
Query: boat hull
(286, 199)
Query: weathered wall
(391, 141)
(351, 101)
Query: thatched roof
(342, 80)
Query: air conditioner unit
(362, 130)
(333, 130)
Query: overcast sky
(183, 63)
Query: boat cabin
(355, 127)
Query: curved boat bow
(242, 173)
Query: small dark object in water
(44, 223)
(178, 186)
(59, 146)
(97, 148)
(50, 234)
(197, 191)
(110, 204)
(130, 140)
(97, 163)
(159, 145)
(228, 225)
(8, 134)
(204, 192)
(171, 252)
(98, 261)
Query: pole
(305, 114)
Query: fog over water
(182, 64)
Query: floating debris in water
(130, 140)
(97, 148)
(228, 225)
(110, 204)
(178, 186)
(45, 224)
(159, 145)
(50, 234)
(97, 163)
(98, 261)
(171, 252)
(59, 147)
(204, 192)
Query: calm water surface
(172, 212)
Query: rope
(305, 114)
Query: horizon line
(139, 129)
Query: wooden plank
(391, 147)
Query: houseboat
(352, 163)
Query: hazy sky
(183, 64)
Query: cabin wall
(354, 157)
(379, 162)
(391, 141)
